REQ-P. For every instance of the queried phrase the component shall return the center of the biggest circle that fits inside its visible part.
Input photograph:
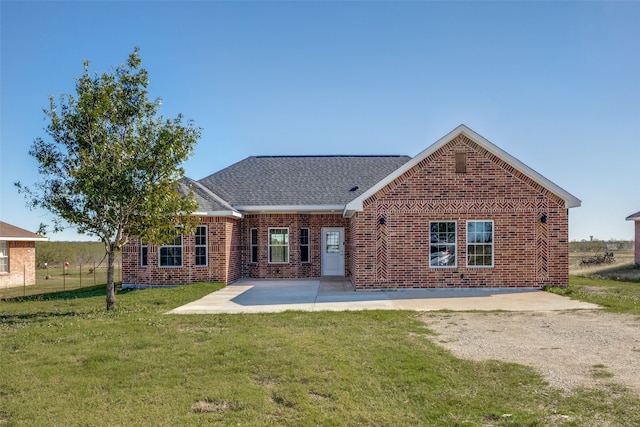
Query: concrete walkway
(272, 296)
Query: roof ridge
(284, 156)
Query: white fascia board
(570, 200)
(633, 217)
(230, 214)
(289, 208)
(25, 239)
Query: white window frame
(306, 245)
(4, 256)
(490, 244)
(144, 256)
(253, 246)
(278, 245)
(436, 241)
(202, 246)
(172, 247)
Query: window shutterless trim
(478, 239)
(284, 231)
(253, 246)
(173, 251)
(443, 244)
(305, 245)
(201, 246)
(144, 254)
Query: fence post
(64, 278)
(24, 280)
(94, 273)
(80, 276)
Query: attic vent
(354, 188)
(461, 162)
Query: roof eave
(633, 217)
(228, 214)
(25, 239)
(289, 208)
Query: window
(144, 254)
(480, 244)
(305, 254)
(201, 246)
(254, 246)
(278, 245)
(461, 162)
(442, 246)
(171, 254)
(4, 257)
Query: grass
(67, 362)
(614, 287)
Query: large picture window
(278, 245)
(305, 253)
(480, 243)
(201, 246)
(171, 254)
(442, 244)
(254, 246)
(4, 257)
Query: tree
(113, 165)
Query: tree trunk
(111, 291)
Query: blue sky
(555, 84)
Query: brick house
(17, 256)
(462, 213)
(636, 219)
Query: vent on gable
(461, 162)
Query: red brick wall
(223, 249)
(294, 222)
(527, 252)
(22, 265)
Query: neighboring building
(636, 219)
(462, 213)
(17, 256)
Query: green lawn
(67, 362)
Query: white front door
(333, 251)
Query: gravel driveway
(583, 348)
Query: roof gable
(13, 233)
(569, 200)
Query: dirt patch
(584, 348)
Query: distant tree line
(75, 253)
(601, 245)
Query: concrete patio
(337, 294)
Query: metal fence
(65, 277)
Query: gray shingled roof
(207, 201)
(299, 180)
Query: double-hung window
(4, 257)
(442, 244)
(480, 243)
(144, 254)
(171, 254)
(201, 246)
(253, 258)
(278, 245)
(305, 253)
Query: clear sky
(555, 84)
